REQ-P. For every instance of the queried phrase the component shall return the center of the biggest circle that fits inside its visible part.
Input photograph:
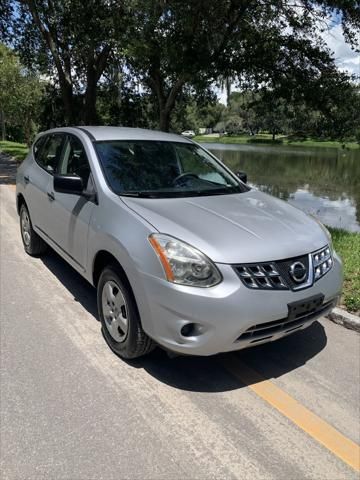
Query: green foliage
(70, 42)
(336, 116)
(176, 44)
(195, 112)
(234, 125)
(347, 246)
(145, 62)
(20, 96)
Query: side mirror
(242, 176)
(68, 184)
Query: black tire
(33, 244)
(135, 343)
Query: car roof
(100, 133)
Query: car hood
(238, 228)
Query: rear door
(47, 152)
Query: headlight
(184, 264)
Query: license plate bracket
(306, 306)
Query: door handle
(26, 179)
(51, 196)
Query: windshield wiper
(139, 194)
(179, 193)
(218, 191)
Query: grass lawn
(16, 150)
(347, 245)
(266, 139)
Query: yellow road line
(341, 446)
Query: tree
(234, 125)
(20, 96)
(244, 105)
(176, 44)
(170, 46)
(9, 70)
(274, 114)
(196, 110)
(71, 42)
(340, 117)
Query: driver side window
(74, 160)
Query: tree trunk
(96, 65)
(49, 35)
(27, 131)
(3, 128)
(228, 90)
(273, 136)
(67, 98)
(166, 100)
(89, 116)
(164, 120)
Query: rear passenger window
(38, 146)
(48, 153)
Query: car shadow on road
(204, 374)
(212, 374)
(79, 288)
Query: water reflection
(321, 181)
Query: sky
(345, 58)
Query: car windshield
(157, 169)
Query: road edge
(344, 318)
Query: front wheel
(119, 316)
(33, 244)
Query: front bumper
(225, 315)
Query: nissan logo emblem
(298, 272)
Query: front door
(72, 213)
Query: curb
(344, 318)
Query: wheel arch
(107, 256)
(20, 200)
(102, 259)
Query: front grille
(261, 275)
(276, 275)
(265, 331)
(284, 268)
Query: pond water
(321, 181)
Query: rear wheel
(33, 244)
(119, 316)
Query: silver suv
(182, 252)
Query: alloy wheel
(25, 227)
(115, 311)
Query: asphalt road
(70, 409)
